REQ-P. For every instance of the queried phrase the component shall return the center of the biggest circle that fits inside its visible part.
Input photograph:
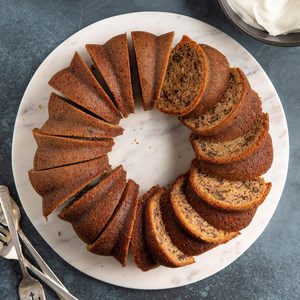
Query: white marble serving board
(154, 149)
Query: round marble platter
(154, 149)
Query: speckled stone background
(270, 269)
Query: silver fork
(8, 251)
(29, 287)
(44, 267)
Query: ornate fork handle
(51, 283)
(44, 267)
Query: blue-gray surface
(270, 269)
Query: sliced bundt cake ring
(181, 239)
(186, 78)
(191, 221)
(217, 80)
(59, 184)
(214, 151)
(141, 254)
(112, 61)
(231, 116)
(90, 213)
(67, 120)
(253, 166)
(152, 54)
(55, 151)
(228, 194)
(116, 236)
(78, 84)
(231, 221)
(158, 239)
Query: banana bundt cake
(206, 207)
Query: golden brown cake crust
(183, 110)
(55, 151)
(78, 83)
(115, 238)
(218, 77)
(253, 166)
(245, 152)
(112, 61)
(67, 120)
(157, 247)
(181, 239)
(223, 220)
(152, 54)
(59, 184)
(141, 254)
(90, 213)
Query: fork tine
(4, 234)
(2, 218)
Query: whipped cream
(274, 16)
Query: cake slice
(141, 254)
(60, 184)
(55, 151)
(228, 194)
(90, 213)
(197, 76)
(116, 236)
(186, 78)
(158, 239)
(250, 113)
(181, 239)
(78, 84)
(217, 80)
(231, 116)
(214, 151)
(231, 221)
(112, 61)
(152, 54)
(67, 120)
(191, 221)
(253, 166)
